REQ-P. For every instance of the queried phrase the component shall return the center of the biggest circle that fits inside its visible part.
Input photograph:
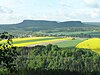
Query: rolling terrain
(76, 53)
(52, 28)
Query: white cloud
(85, 14)
(6, 10)
(11, 18)
(10, 3)
(64, 3)
(89, 1)
(92, 3)
(12, 11)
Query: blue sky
(13, 11)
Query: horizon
(45, 20)
(15, 11)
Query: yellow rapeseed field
(93, 44)
(41, 42)
(22, 39)
(29, 38)
(56, 39)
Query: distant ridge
(45, 21)
(72, 23)
(38, 25)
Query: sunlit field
(69, 43)
(20, 42)
(93, 44)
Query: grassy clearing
(69, 43)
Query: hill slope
(35, 25)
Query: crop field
(20, 42)
(69, 43)
(93, 44)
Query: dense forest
(50, 60)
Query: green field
(33, 40)
(69, 43)
(20, 42)
(61, 42)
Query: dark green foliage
(52, 60)
(8, 55)
(6, 35)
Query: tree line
(52, 60)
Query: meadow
(69, 43)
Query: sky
(14, 11)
